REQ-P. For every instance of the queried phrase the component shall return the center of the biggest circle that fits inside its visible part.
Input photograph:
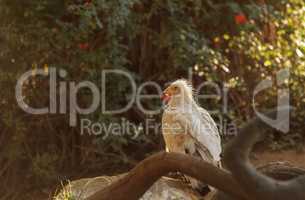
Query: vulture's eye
(175, 88)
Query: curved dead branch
(139, 179)
(255, 184)
(244, 183)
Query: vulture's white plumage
(188, 128)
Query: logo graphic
(281, 122)
(63, 99)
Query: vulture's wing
(206, 133)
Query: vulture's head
(180, 90)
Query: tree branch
(255, 184)
(139, 179)
(244, 183)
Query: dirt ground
(290, 156)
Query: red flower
(240, 18)
(88, 2)
(83, 46)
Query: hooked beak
(165, 97)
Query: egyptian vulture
(188, 128)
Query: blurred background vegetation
(235, 43)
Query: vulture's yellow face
(172, 90)
(169, 92)
(179, 88)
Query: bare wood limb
(255, 184)
(244, 183)
(134, 185)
